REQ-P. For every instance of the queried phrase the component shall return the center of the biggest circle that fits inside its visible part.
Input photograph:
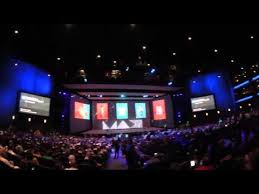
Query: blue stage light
(241, 85)
(244, 99)
(255, 78)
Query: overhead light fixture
(153, 70)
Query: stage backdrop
(162, 112)
(80, 114)
(122, 114)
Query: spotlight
(170, 83)
(249, 104)
(194, 116)
(207, 114)
(145, 96)
(153, 70)
(29, 119)
(219, 76)
(189, 38)
(229, 110)
(193, 82)
(123, 96)
(45, 120)
(49, 75)
(99, 56)
(58, 58)
(218, 112)
(144, 47)
(127, 69)
(240, 107)
(16, 32)
(13, 117)
(85, 80)
(216, 50)
(16, 64)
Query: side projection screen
(34, 105)
(203, 103)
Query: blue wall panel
(213, 83)
(20, 77)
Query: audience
(231, 144)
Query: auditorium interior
(129, 97)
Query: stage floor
(120, 131)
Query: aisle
(117, 164)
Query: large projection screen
(34, 105)
(204, 103)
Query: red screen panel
(102, 111)
(82, 111)
(159, 112)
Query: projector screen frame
(205, 95)
(23, 113)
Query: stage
(120, 131)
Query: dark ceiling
(79, 44)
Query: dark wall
(169, 122)
(97, 124)
(79, 125)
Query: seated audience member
(72, 163)
(4, 163)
